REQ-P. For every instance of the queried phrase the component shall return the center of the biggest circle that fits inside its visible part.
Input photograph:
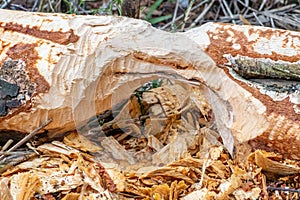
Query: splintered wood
(61, 169)
(159, 145)
(62, 172)
(155, 127)
(76, 67)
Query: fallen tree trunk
(70, 68)
(264, 62)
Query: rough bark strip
(54, 36)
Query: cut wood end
(277, 102)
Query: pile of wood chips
(161, 144)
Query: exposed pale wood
(87, 64)
(279, 120)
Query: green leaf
(156, 83)
(159, 19)
(152, 8)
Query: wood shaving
(183, 158)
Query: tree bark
(131, 8)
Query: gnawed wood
(82, 66)
(265, 63)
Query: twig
(229, 11)
(202, 14)
(74, 5)
(187, 13)
(257, 19)
(50, 5)
(41, 5)
(6, 3)
(296, 11)
(181, 16)
(282, 8)
(282, 189)
(282, 25)
(175, 14)
(204, 166)
(236, 16)
(15, 161)
(236, 7)
(18, 153)
(223, 9)
(57, 6)
(272, 22)
(27, 137)
(245, 9)
(216, 17)
(32, 148)
(7, 144)
(262, 5)
(83, 11)
(284, 19)
(296, 18)
(19, 6)
(36, 2)
(247, 6)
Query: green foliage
(152, 8)
(149, 85)
(146, 87)
(117, 4)
(159, 19)
(156, 19)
